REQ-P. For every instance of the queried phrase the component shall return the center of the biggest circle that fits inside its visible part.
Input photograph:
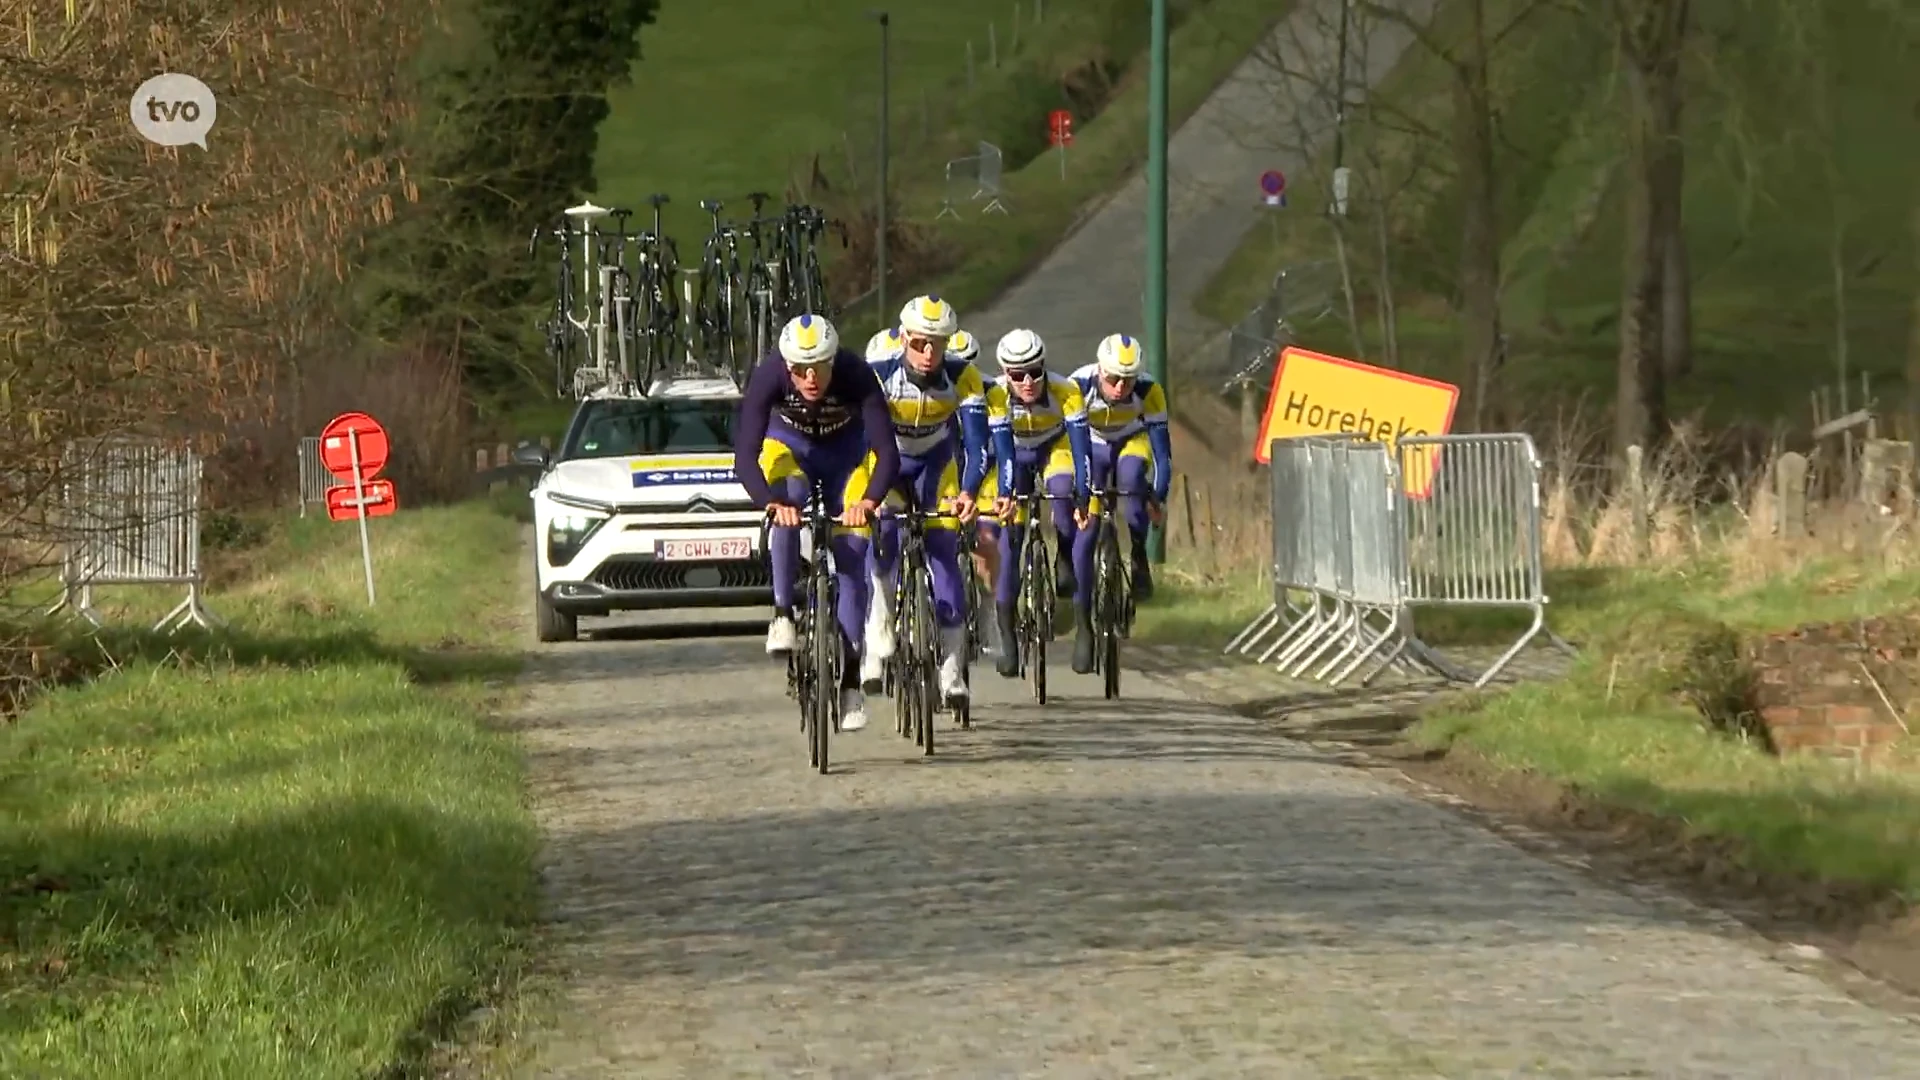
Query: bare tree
(1651, 36)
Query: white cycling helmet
(808, 339)
(1020, 350)
(963, 346)
(888, 344)
(1120, 357)
(929, 316)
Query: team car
(640, 510)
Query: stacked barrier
(130, 515)
(1364, 534)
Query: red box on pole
(378, 495)
(1059, 128)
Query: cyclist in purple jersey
(818, 414)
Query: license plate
(687, 550)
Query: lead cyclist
(819, 414)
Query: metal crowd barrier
(130, 515)
(1364, 534)
(314, 477)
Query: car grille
(632, 573)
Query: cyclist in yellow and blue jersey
(965, 348)
(1039, 421)
(939, 412)
(1132, 444)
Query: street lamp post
(880, 239)
(1156, 314)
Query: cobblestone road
(1151, 888)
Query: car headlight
(568, 531)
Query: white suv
(640, 510)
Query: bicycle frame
(916, 652)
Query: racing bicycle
(913, 670)
(1033, 606)
(817, 663)
(1113, 608)
(720, 309)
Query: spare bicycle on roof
(627, 317)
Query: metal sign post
(364, 465)
(360, 497)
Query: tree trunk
(1676, 308)
(1652, 33)
(1913, 359)
(1479, 238)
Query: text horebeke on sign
(1316, 394)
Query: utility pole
(1156, 313)
(880, 240)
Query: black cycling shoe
(1063, 580)
(1082, 641)
(1142, 574)
(1007, 660)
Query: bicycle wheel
(800, 674)
(926, 656)
(825, 663)
(1036, 594)
(1107, 607)
(899, 675)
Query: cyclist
(1127, 411)
(928, 394)
(965, 348)
(1040, 427)
(820, 414)
(885, 345)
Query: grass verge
(289, 848)
(1620, 731)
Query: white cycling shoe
(880, 620)
(782, 636)
(953, 677)
(853, 710)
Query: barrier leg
(1307, 623)
(1342, 626)
(1380, 638)
(1254, 631)
(1539, 624)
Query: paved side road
(1094, 284)
(1149, 888)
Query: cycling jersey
(1143, 409)
(850, 421)
(927, 409)
(1060, 408)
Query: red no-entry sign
(338, 452)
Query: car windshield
(607, 429)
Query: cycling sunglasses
(1023, 374)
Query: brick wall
(1825, 689)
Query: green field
(292, 849)
(717, 120)
(1761, 210)
(727, 98)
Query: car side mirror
(532, 455)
